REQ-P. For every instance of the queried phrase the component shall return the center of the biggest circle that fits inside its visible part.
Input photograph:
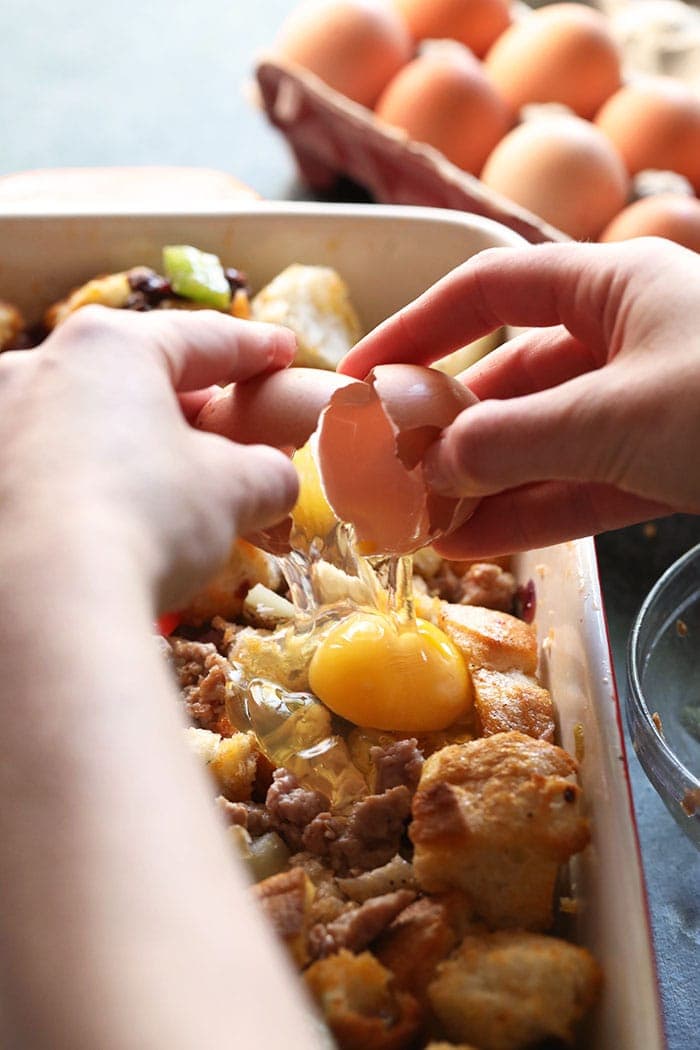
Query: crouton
(232, 761)
(314, 302)
(489, 638)
(511, 989)
(11, 324)
(286, 899)
(361, 1004)
(111, 289)
(415, 942)
(495, 817)
(505, 700)
(225, 593)
(449, 1046)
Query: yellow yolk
(312, 516)
(378, 673)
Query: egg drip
(354, 655)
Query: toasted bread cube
(489, 638)
(512, 989)
(112, 289)
(286, 899)
(225, 593)
(415, 942)
(315, 303)
(11, 324)
(505, 700)
(361, 1004)
(232, 761)
(495, 817)
(449, 1046)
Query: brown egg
(354, 46)
(655, 123)
(371, 440)
(279, 409)
(669, 215)
(561, 53)
(475, 23)
(443, 98)
(563, 169)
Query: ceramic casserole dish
(388, 255)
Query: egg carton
(331, 136)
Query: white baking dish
(388, 255)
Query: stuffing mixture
(424, 912)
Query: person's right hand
(588, 421)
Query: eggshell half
(371, 441)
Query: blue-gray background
(109, 83)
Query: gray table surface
(165, 83)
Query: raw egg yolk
(379, 673)
(312, 517)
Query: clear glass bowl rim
(680, 774)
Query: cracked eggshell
(280, 409)
(371, 441)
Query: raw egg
(379, 673)
(563, 169)
(354, 46)
(671, 215)
(475, 23)
(654, 122)
(561, 53)
(443, 98)
(370, 443)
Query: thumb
(569, 432)
(255, 485)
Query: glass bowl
(663, 701)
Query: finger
(534, 516)
(535, 360)
(541, 285)
(203, 347)
(197, 348)
(281, 409)
(193, 401)
(254, 485)
(575, 431)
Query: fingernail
(438, 473)
(283, 348)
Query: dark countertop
(165, 83)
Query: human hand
(95, 442)
(588, 421)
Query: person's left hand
(95, 441)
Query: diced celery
(196, 275)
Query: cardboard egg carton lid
(332, 136)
